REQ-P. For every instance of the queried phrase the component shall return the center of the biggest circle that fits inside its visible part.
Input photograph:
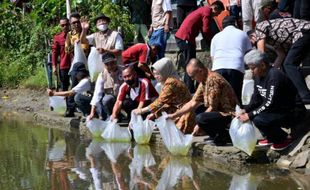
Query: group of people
(127, 82)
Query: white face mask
(102, 27)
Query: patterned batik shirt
(217, 93)
(282, 32)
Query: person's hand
(50, 92)
(166, 28)
(101, 50)
(113, 117)
(196, 130)
(85, 24)
(171, 116)
(244, 117)
(54, 70)
(90, 116)
(150, 116)
(136, 111)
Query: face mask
(130, 82)
(102, 27)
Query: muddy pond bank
(32, 105)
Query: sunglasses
(63, 25)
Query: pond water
(38, 158)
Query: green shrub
(37, 81)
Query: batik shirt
(282, 32)
(217, 93)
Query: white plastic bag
(114, 133)
(94, 148)
(142, 157)
(95, 65)
(96, 126)
(176, 142)
(79, 56)
(58, 103)
(247, 91)
(142, 130)
(177, 168)
(243, 134)
(113, 150)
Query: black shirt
(273, 93)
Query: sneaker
(283, 145)
(264, 142)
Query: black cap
(108, 57)
(102, 16)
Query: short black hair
(219, 5)
(229, 21)
(250, 32)
(82, 74)
(64, 18)
(75, 15)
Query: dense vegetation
(26, 33)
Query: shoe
(264, 142)
(281, 146)
(69, 114)
(306, 100)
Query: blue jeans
(160, 37)
(83, 103)
(107, 104)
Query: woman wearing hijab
(174, 94)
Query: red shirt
(145, 91)
(195, 22)
(58, 49)
(138, 52)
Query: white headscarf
(165, 68)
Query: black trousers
(302, 9)
(64, 79)
(189, 51)
(214, 124)
(298, 53)
(235, 79)
(270, 125)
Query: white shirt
(118, 42)
(83, 86)
(100, 86)
(228, 48)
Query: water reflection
(39, 158)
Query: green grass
(36, 81)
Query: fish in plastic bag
(176, 142)
(58, 103)
(142, 130)
(96, 126)
(243, 135)
(175, 171)
(79, 56)
(95, 65)
(114, 133)
(113, 150)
